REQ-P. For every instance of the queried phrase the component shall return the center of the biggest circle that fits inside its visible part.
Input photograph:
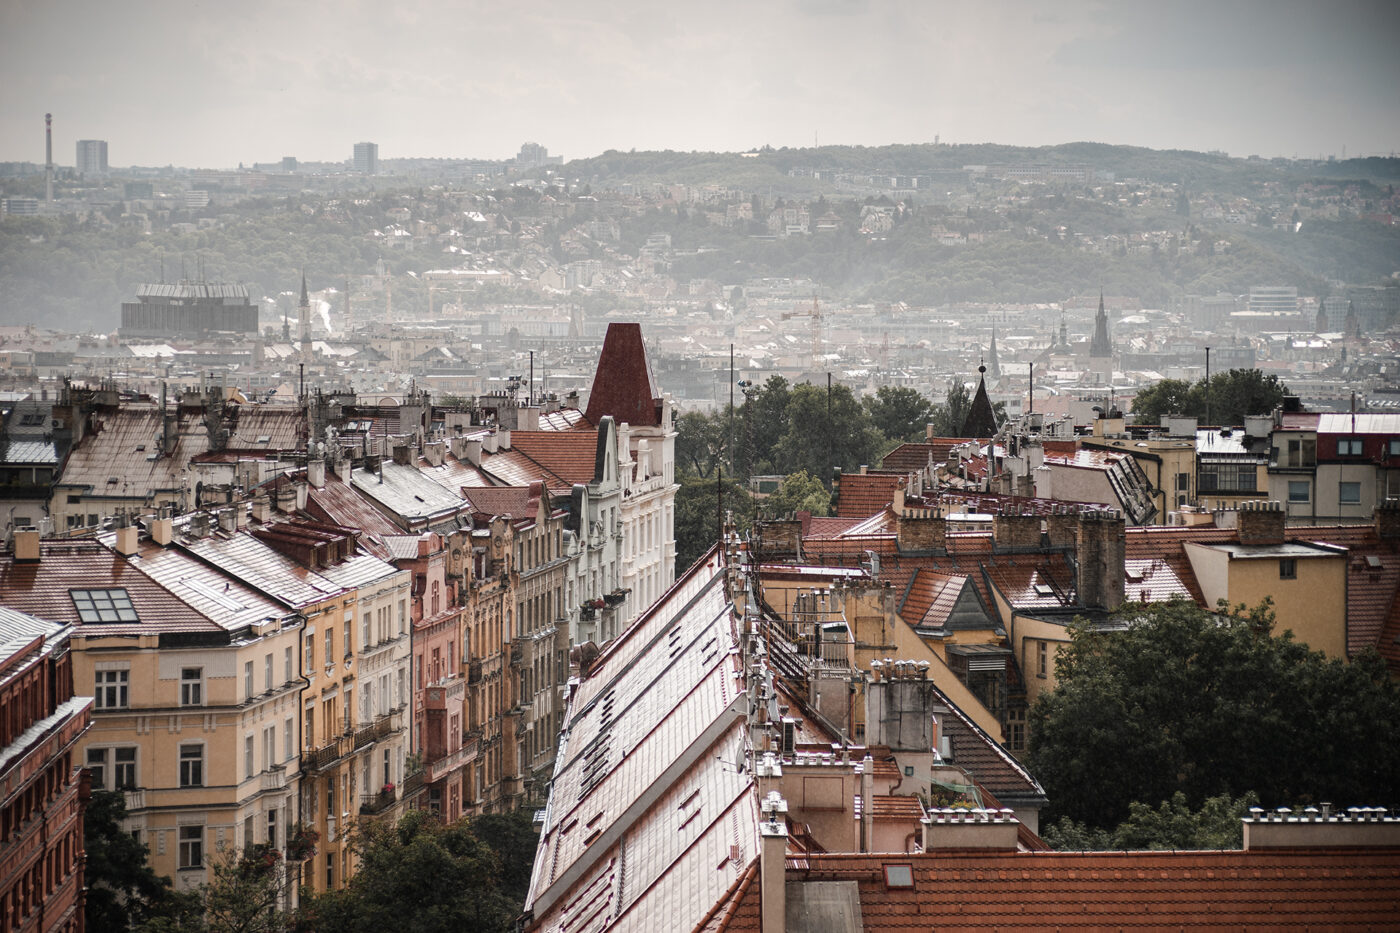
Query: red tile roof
(569, 455)
(1279, 889)
(44, 589)
(864, 494)
(623, 386)
(908, 457)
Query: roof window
(104, 605)
(899, 876)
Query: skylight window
(899, 876)
(104, 605)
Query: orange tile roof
(907, 457)
(570, 455)
(864, 494)
(1278, 889)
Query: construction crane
(815, 313)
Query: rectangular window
(191, 846)
(330, 647)
(310, 734)
(1348, 446)
(364, 630)
(124, 770)
(272, 828)
(288, 735)
(248, 691)
(269, 747)
(347, 638)
(1042, 663)
(111, 689)
(1349, 493)
(191, 765)
(191, 686)
(1288, 568)
(1394, 449)
(248, 755)
(97, 767)
(267, 672)
(288, 669)
(1298, 490)
(310, 658)
(104, 605)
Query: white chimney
(867, 803)
(316, 473)
(27, 544)
(772, 867)
(127, 538)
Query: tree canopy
(1226, 400)
(1184, 700)
(124, 892)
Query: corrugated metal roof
(191, 290)
(38, 453)
(405, 491)
(1347, 423)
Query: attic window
(140, 447)
(1373, 561)
(899, 876)
(264, 439)
(112, 481)
(1044, 589)
(104, 605)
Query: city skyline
(1290, 79)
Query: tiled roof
(18, 629)
(44, 589)
(864, 494)
(570, 455)
(259, 566)
(405, 492)
(988, 762)
(490, 501)
(228, 602)
(1275, 889)
(259, 427)
(1033, 581)
(908, 457)
(454, 473)
(623, 386)
(514, 468)
(562, 420)
(822, 527)
(123, 458)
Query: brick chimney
(1062, 527)
(1260, 522)
(434, 453)
(1388, 519)
(772, 862)
(403, 454)
(918, 529)
(1100, 550)
(1011, 529)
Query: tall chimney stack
(48, 159)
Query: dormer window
(1348, 446)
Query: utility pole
(731, 409)
(1207, 386)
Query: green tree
(245, 892)
(123, 891)
(1172, 825)
(417, 874)
(702, 440)
(800, 492)
(900, 413)
(1168, 397)
(698, 515)
(1227, 399)
(948, 418)
(762, 421)
(1204, 703)
(827, 429)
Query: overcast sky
(212, 84)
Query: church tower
(1101, 347)
(304, 321)
(993, 366)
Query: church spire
(1101, 346)
(981, 419)
(993, 366)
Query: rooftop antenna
(48, 159)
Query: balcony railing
(373, 804)
(274, 778)
(384, 725)
(474, 672)
(135, 799)
(324, 757)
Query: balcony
(516, 652)
(375, 804)
(442, 767)
(274, 778)
(323, 757)
(135, 799)
(474, 672)
(413, 783)
(384, 725)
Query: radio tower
(48, 159)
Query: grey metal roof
(35, 452)
(191, 290)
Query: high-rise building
(367, 158)
(92, 157)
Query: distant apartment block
(92, 157)
(367, 158)
(21, 206)
(1269, 299)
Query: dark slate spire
(981, 419)
(305, 299)
(993, 366)
(1064, 332)
(1101, 347)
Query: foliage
(697, 515)
(1172, 825)
(423, 876)
(701, 442)
(123, 890)
(245, 892)
(1209, 704)
(799, 492)
(899, 413)
(1227, 398)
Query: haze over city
(212, 85)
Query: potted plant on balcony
(301, 843)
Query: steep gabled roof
(981, 419)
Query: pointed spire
(623, 386)
(305, 299)
(994, 366)
(981, 419)
(1101, 346)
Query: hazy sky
(213, 84)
